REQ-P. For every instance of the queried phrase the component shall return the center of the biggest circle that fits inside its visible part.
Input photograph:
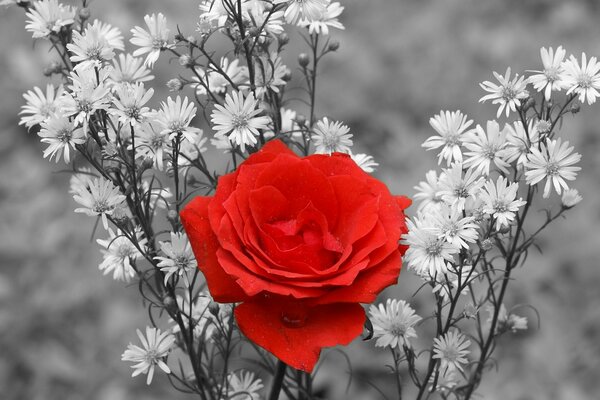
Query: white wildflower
(452, 350)
(551, 78)
(329, 137)
(61, 135)
(178, 257)
(508, 93)
(487, 147)
(500, 201)
(41, 106)
(156, 347)
(153, 41)
(584, 79)
(119, 254)
(101, 199)
(393, 323)
(452, 127)
(570, 198)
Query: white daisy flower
(178, 257)
(238, 120)
(487, 147)
(329, 18)
(129, 103)
(243, 385)
(118, 254)
(156, 347)
(270, 74)
(329, 137)
(88, 95)
(428, 191)
(519, 141)
(452, 127)
(175, 117)
(393, 323)
(452, 350)
(456, 188)
(153, 41)
(129, 69)
(48, 16)
(570, 198)
(111, 34)
(551, 78)
(428, 254)
(41, 106)
(152, 143)
(553, 162)
(61, 135)
(216, 13)
(263, 17)
(500, 201)
(215, 81)
(508, 93)
(309, 10)
(101, 199)
(453, 227)
(365, 162)
(91, 49)
(584, 79)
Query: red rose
(299, 242)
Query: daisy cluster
(468, 232)
(136, 159)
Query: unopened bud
(284, 39)
(48, 71)
(550, 104)
(148, 163)
(186, 61)
(214, 308)
(303, 59)
(191, 180)
(333, 46)
(287, 76)
(575, 108)
(23, 3)
(170, 304)
(84, 14)
(504, 229)
(179, 37)
(300, 119)
(173, 216)
(175, 85)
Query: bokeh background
(63, 326)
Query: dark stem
(277, 380)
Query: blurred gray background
(63, 326)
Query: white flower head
(119, 253)
(520, 140)
(584, 79)
(243, 385)
(270, 74)
(329, 18)
(177, 258)
(453, 227)
(506, 322)
(487, 147)
(428, 254)
(61, 135)
(238, 119)
(428, 191)
(46, 17)
(331, 136)
(551, 78)
(95, 46)
(452, 127)
(212, 79)
(508, 93)
(570, 198)
(156, 347)
(452, 350)
(129, 69)
(152, 143)
(301, 10)
(101, 198)
(554, 162)
(129, 102)
(153, 40)
(393, 323)
(458, 186)
(175, 117)
(41, 106)
(500, 201)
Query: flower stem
(277, 380)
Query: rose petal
(194, 218)
(295, 334)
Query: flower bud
(300, 119)
(284, 39)
(303, 60)
(24, 3)
(173, 216)
(179, 37)
(170, 304)
(186, 61)
(175, 85)
(48, 71)
(504, 229)
(571, 198)
(191, 180)
(529, 103)
(333, 46)
(214, 308)
(575, 108)
(287, 76)
(84, 14)
(148, 163)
